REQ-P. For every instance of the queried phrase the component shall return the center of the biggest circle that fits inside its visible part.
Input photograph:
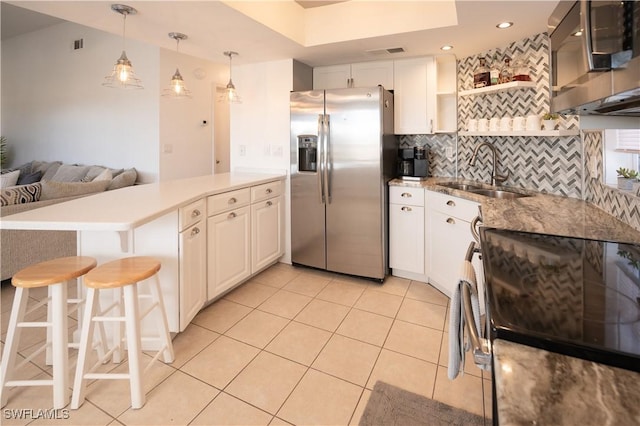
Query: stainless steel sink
(497, 193)
(460, 186)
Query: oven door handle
(481, 347)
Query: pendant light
(230, 94)
(122, 75)
(176, 88)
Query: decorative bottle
(506, 73)
(494, 71)
(481, 77)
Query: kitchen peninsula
(168, 220)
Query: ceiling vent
(385, 51)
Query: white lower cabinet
(193, 261)
(193, 272)
(449, 221)
(406, 231)
(267, 233)
(245, 234)
(229, 250)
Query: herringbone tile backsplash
(621, 204)
(555, 165)
(547, 164)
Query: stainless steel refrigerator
(343, 153)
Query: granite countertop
(538, 212)
(534, 386)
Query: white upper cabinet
(363, 74)
(414, 96)
(425, 99)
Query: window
(621, 149)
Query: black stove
(573, 296)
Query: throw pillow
(27, 178)
(52, 189)
(105, 175)
(126, 178)
(21, 194)
(9, 179)
(48, 169)
(92, 173)
(68, 173)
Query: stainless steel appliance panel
(355, 185)
(307, 209)
(595, 55)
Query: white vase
(625, 184)
(549, 124)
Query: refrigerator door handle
(320, 171)
(327, 158)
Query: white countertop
(127, 208)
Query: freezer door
(307, 208)
(355, 190)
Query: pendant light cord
(124, 29)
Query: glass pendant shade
(122, 75)
(177, 88)
(230, 94)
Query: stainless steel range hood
(615, 92)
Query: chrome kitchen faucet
(496, 179)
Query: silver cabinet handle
(406, 209)
(269, 191)
(269, 203)
(232, 200)
(451, 203)
(195, 231)
(451, 221)
(406, 195)
(195, 213)
(231, 215)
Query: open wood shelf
(504, 87)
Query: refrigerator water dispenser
(307, 153)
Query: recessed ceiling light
(503, 25)
(446, 47)
(577, 33)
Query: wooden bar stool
(122, 274)
(54, 274)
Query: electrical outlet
(449, 152)
(243, 150)
(594, 167)
(167, 148)
(277, 151)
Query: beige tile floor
(290, 346)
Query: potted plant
(549, 120)
(626, 178)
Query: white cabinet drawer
(228, 200)
(453, 206)
(406, 195)
(191, 214)
(267, 190)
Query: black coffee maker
(413, 163)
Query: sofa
(38, 184)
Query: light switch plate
(449, 153)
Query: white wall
(260, 124)
(186, 142)
(55, 107)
